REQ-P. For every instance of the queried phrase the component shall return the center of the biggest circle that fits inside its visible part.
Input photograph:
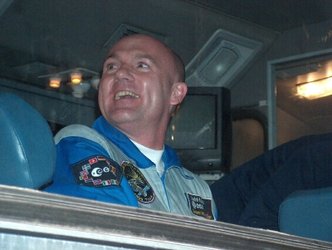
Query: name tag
(200, 206)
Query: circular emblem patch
(142, 189)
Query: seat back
(308, 213)
(27, 150)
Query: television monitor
(200, 131)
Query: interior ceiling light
(76, 77)
(55, 82)
(315, 89)
(80, 80)
(221, 59)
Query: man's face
(136, 83)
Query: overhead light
(215, 68)
(315, 89)
(221, 59)
(55, 82)
(79, 79)
(76, 77)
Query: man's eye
(110, 67)
(143, 65)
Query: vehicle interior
(249, 68)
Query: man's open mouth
(125, 94)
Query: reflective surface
(35, 218)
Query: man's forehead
(139, 49)
(140, 43)
(139, 37)
(132, 54)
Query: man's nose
(124, 72)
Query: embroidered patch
(199, 206)
(142, 189)
(97, 171)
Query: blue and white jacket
(103, 164)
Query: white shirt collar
(153, 154)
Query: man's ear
(179, 91)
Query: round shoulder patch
(142, 189)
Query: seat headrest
(27, 150)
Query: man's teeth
(125, 93)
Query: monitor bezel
(218, 158)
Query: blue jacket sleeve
(85, 170)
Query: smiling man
(123, 159)
(139, 86)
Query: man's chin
(122, 117)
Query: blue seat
(308, 214)
(27, 150)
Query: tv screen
(200, 131)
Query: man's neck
(153, 139)
(154, 155)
